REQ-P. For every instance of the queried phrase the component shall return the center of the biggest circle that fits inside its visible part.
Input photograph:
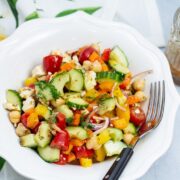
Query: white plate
(35, 39)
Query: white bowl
(35, 39)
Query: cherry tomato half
(63, 159)
(106, 54)
(52, 63)
(61, 120)
(85, 54)
(137, 116)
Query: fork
(153, 118)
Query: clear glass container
(172, 51)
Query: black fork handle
(119, 165)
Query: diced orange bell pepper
(77, 118)
(132, 100)
(104, 67)
(69, 149)
(32, 120)
(30, 81)
(85, 162)
(71, 157)
(106, 85)
(77, 142)
(120, 123)
(94, 56)
(67, 66)
(90, 132)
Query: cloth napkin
(141, 14)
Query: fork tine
(151, 99)
(160, 110)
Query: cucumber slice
(72, 95)
(59, 82)
(106, 104)
(109, 76)
(43, 136)
(77, 103)
(77, 132)
(14, 98)
(46, 91)
(76, 80)
(64, 109)
(114, 148)
(115, 134)
(118, 60)
(28, 141)
(49, 154)
(130, 129)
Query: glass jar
(172, 51)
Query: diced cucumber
(28, 141)
(114, 148)
(118, 60)
(64, 109)
(71, 95)
(115, 134)
(49, 154)
(77, 103)
(14, 98)
(109, 76)
(77, 132)
(76, 80)
(106, 104)
(59, 81)
(46, 91)
(43, 136)
(130, 129)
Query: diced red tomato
(52, 63)
(137, 116)
(106, 54)
(61, 140)
(61, 121)
(82, 151)
(63, 159)
(85, 54)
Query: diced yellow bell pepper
(85, 162)
(106, 85)
(29, 81)
(103, 137)
(32, 120)
(100, 154)
(41, 110)
(91, 95)
(123, 114)
(120, 123)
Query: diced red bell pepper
(61, 120)
(85, 54)
(61, 140)
(82, 152)
(52, 63)
(63, 159)
(106, 54)
(24, 118)
(35, 130)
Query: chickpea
(14, 116)
(141, 95)
(58, 102)
(21, 130)
(96, 67)
(139, 84)
(87, 65)
(128, 138)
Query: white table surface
(168, 166)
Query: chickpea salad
(79, 106)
